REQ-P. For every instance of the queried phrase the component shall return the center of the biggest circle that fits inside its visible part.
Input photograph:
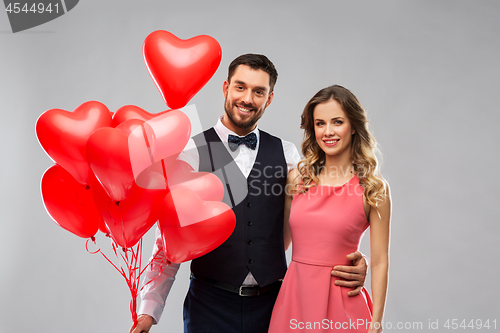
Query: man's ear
(225, 86)
(270, 99)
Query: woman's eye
(338, 122)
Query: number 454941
(472, 324)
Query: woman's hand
(376, 327)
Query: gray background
(426, 71)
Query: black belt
(241, 290)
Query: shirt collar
(224, 132)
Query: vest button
(248, 186)
(249, 223)
(250, 261)
(249, 242)
(249, 204)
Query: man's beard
(249, 123)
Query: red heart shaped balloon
(163, 137)
(206, 185)
(70, 204)
(128, 112)
(180, 68)
(117, 156)
(180, 174)
(109, 159)
(63, 135)
(191, 227)
(128, 220)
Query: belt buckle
(240, 292)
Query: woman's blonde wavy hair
(363, 145)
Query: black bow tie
(235, 141)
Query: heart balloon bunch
(121, 172)
(133, 179)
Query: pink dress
(326, 223)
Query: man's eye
(260, 93)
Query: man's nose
(248, 97)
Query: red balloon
(180, 68)
(128, 112)
(130, 125)
(128, 220)
(109, 159)
(166, 136)
(63, 135)
(206, 185)
(191, 227)
(117, 156)
(70, 204)
(180, 174)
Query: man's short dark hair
(254, 61)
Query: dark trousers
(208, 309)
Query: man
(234, 287)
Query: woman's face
(332, 128)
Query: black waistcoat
(256, 243)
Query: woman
(332, 197)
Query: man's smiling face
(247, 95)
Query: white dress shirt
(154, 294)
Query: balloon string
(134, 271)
(164, 173)
(105, 257)
(87, 246)
(122, 223)
(134, 280)
(132, 263)
(151, 264)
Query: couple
(325, 204)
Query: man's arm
(354, 276)
(157, 283)
(190, 155)
(292, 156)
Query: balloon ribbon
(132, 259)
